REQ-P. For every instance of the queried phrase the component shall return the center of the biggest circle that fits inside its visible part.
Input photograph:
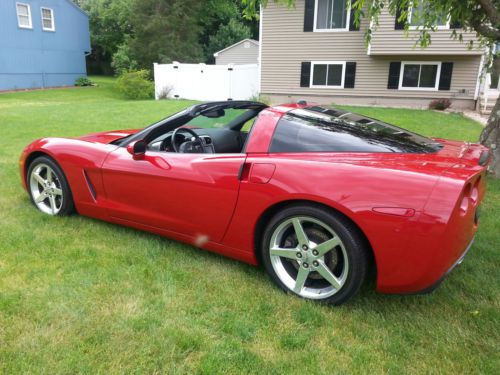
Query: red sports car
(317, 195)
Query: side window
(328, 74)
(48, 19)
(420, 76)
(332, 15)
(416, 16)
(24, 16)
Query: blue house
(43, 43)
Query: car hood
(107, 137)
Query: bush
(440, 104)
(165, 92)
(83, 81)
(260, 98)
(135, 85)
(122, 62)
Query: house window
(328, 74)
(23, 15)
(416, 17)
(331, 15)
(48, 19)
(419, 75)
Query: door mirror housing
(137, 149)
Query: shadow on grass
(367, 298)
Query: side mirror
(137, 149)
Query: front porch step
(491, 98)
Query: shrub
(83, 81)
(165, 92)
(135, 85)
(440, 104)
(261, 99)
(122, 61)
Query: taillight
(474, 194)
(464, 204)
(470, 196)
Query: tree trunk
(490, 137)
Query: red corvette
(317, 195)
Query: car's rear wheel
(315, 253)
(49, 190)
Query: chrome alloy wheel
(309, 257)
(46, 190)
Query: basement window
(328, 74)
(419, 75)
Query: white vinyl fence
(206, 82)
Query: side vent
(89, 184)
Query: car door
(191, 194)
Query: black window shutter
(309, 16)
(399, 25)
(352, 25)
(445, 78)
(305, 74)
(394, 71)
(350, 75)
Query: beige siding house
(315, 52)
(246, 51)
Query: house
(43, 43)
(246, 51)
(316, 52)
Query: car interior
(217, 127)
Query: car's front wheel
(315, 253)
(48, 188)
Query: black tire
(67, 206)
(354, 247)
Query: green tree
(481, 16)
(223, 24)
(122, 59)
(165, 31)
(225, 36)
(109, 22)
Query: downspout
(86, 53)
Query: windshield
(226, 117)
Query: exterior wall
(376, 101)
(387, 41)
(284, 45)
(33, 58)
(239, 55)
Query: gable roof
(255, 42)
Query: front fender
(81, 163)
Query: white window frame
(313, 63)
(29, 16)
(437, 27)
(438, 75)
(347, 22)
(52, 18)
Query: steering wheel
(195, 140)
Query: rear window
(319, 129)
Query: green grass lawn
(82, 296)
